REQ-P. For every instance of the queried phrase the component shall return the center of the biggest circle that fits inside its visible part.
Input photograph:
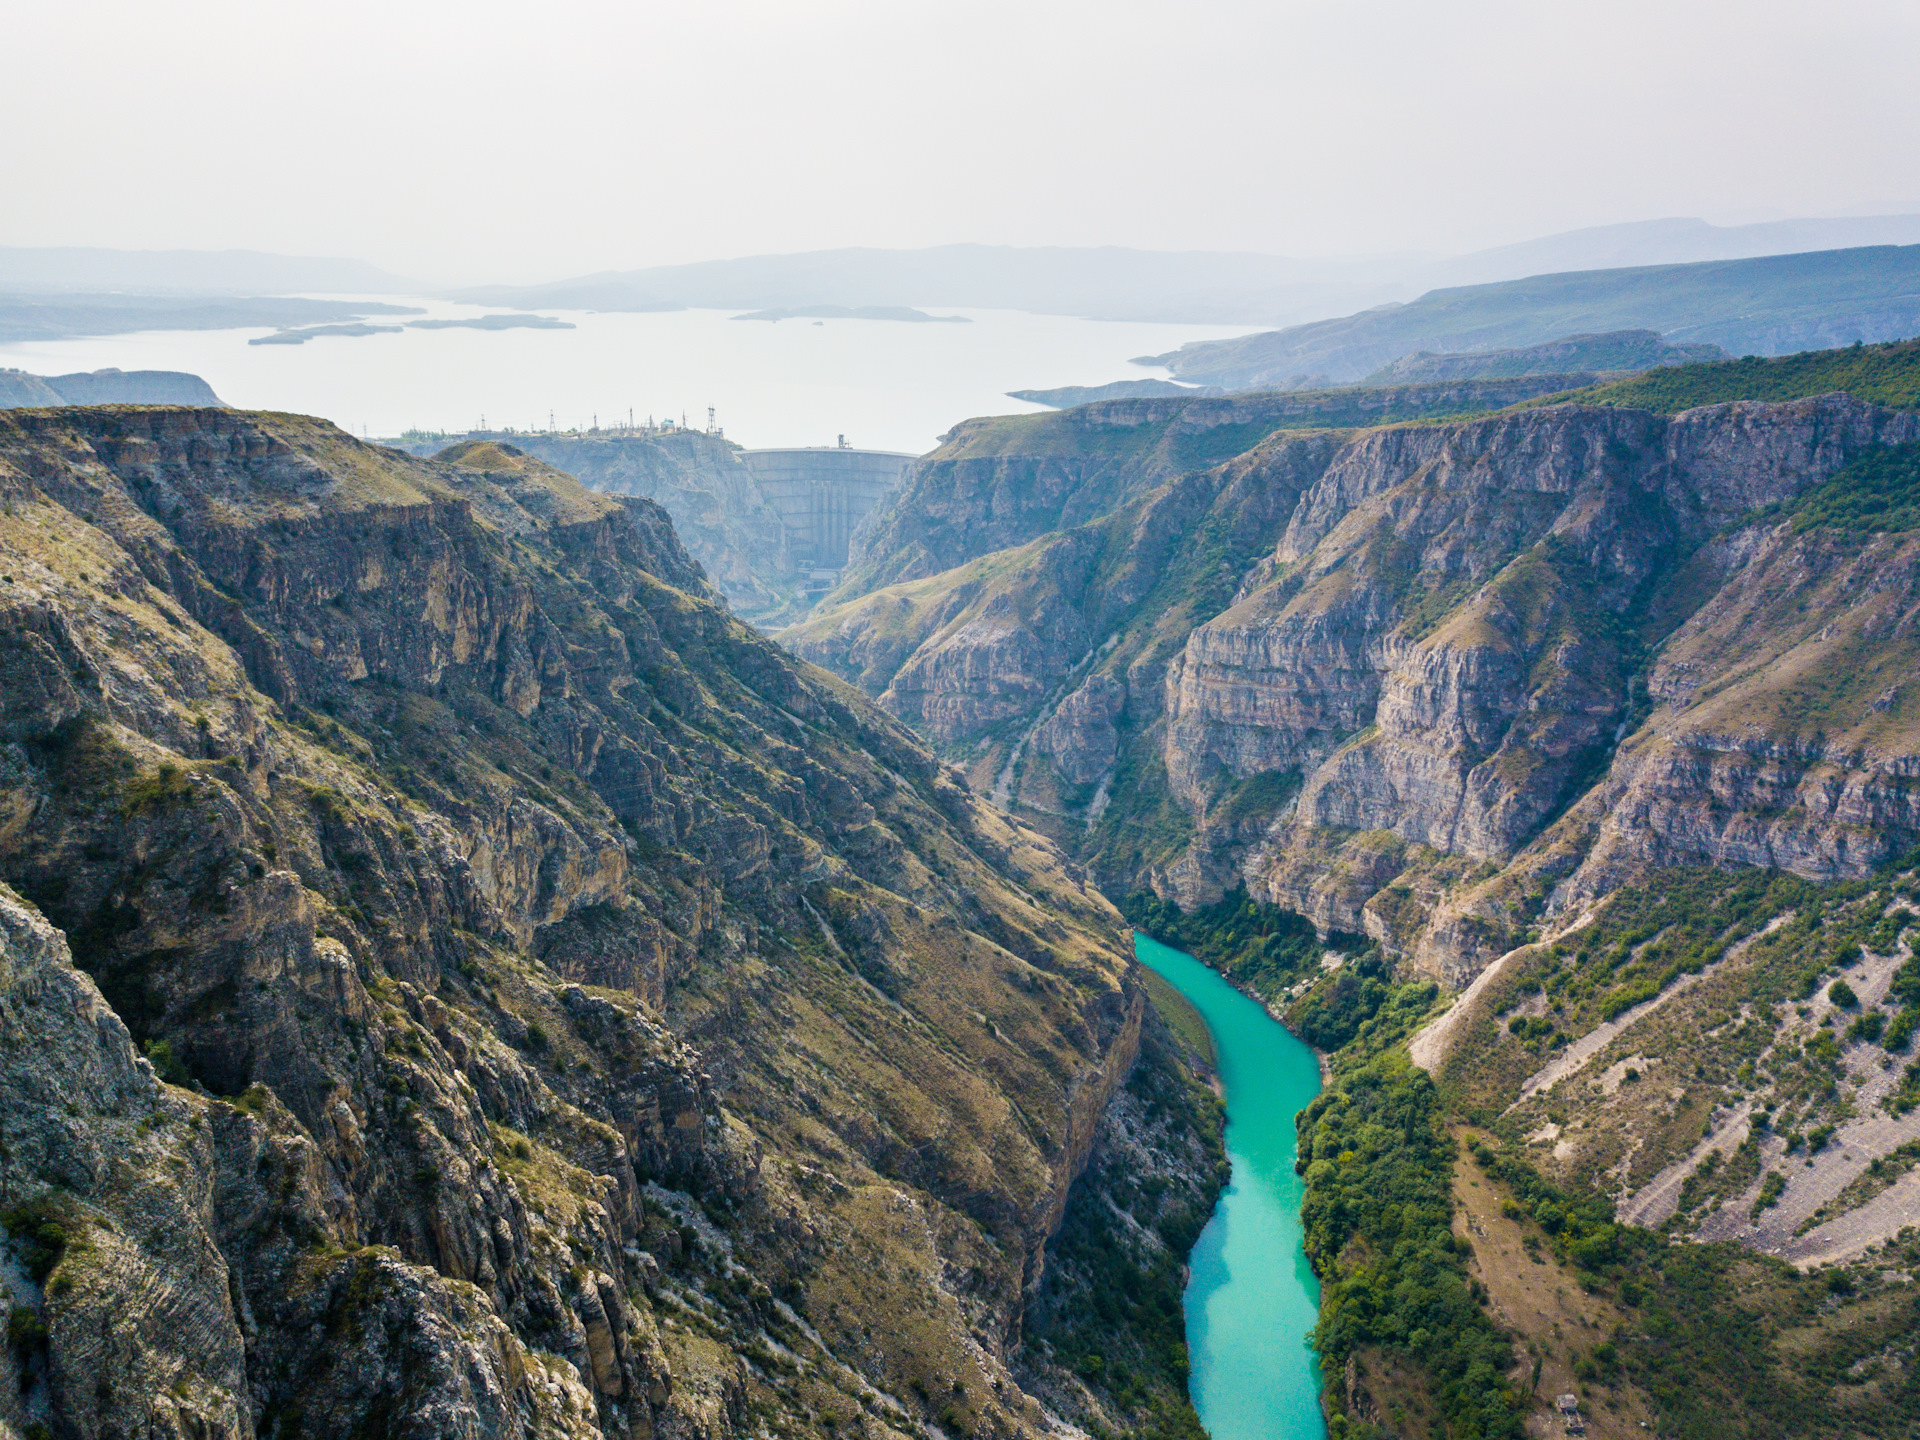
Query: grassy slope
(1884, 374)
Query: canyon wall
(455, 978)
(1435, 682)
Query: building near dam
(820, 494)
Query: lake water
(1253, 1299)
(885, 385)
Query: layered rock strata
(1362, 672)
(460, 980)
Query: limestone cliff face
(1560, 540)
(1003, 481)
(1437, 682)
(484, 950)
(962, 655)
(1081, 736)
(1784, 733)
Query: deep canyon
(461, 979)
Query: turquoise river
(1253, 1298)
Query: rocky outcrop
(485, 950)
(717, 508)
(1081, 737)
(715, 505)
(1474, 725)
(1785, 729)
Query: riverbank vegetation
(1709, 1339)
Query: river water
(1253, 1298)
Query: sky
(473, 141)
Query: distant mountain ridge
(1668, 242)
(1104, 282)
(1193, 287)
(1065, 397)
(19, 390)
(59, 317)
(1629, 350)
(1768, 306)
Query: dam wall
(821, 493)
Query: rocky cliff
(1437, 682)
(717, 508)
(715, 504)
(456, 979)
(1006, 480)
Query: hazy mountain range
(1771, 305)
(1112, 283)
(1106, 282)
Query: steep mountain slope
(1430, 682)
(458, 980)
(1766, 306)
(718, 510)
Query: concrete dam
(820, 494)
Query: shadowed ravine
(1253, 1299)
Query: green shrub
(40, 1237)
(166, 1065)
(1899, 1031)
(1868, 1026)
(1879, 491)
(168, 785)
(1377, 1207)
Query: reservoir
(1253, 1299)
(884, 384)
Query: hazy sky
(475, 140)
